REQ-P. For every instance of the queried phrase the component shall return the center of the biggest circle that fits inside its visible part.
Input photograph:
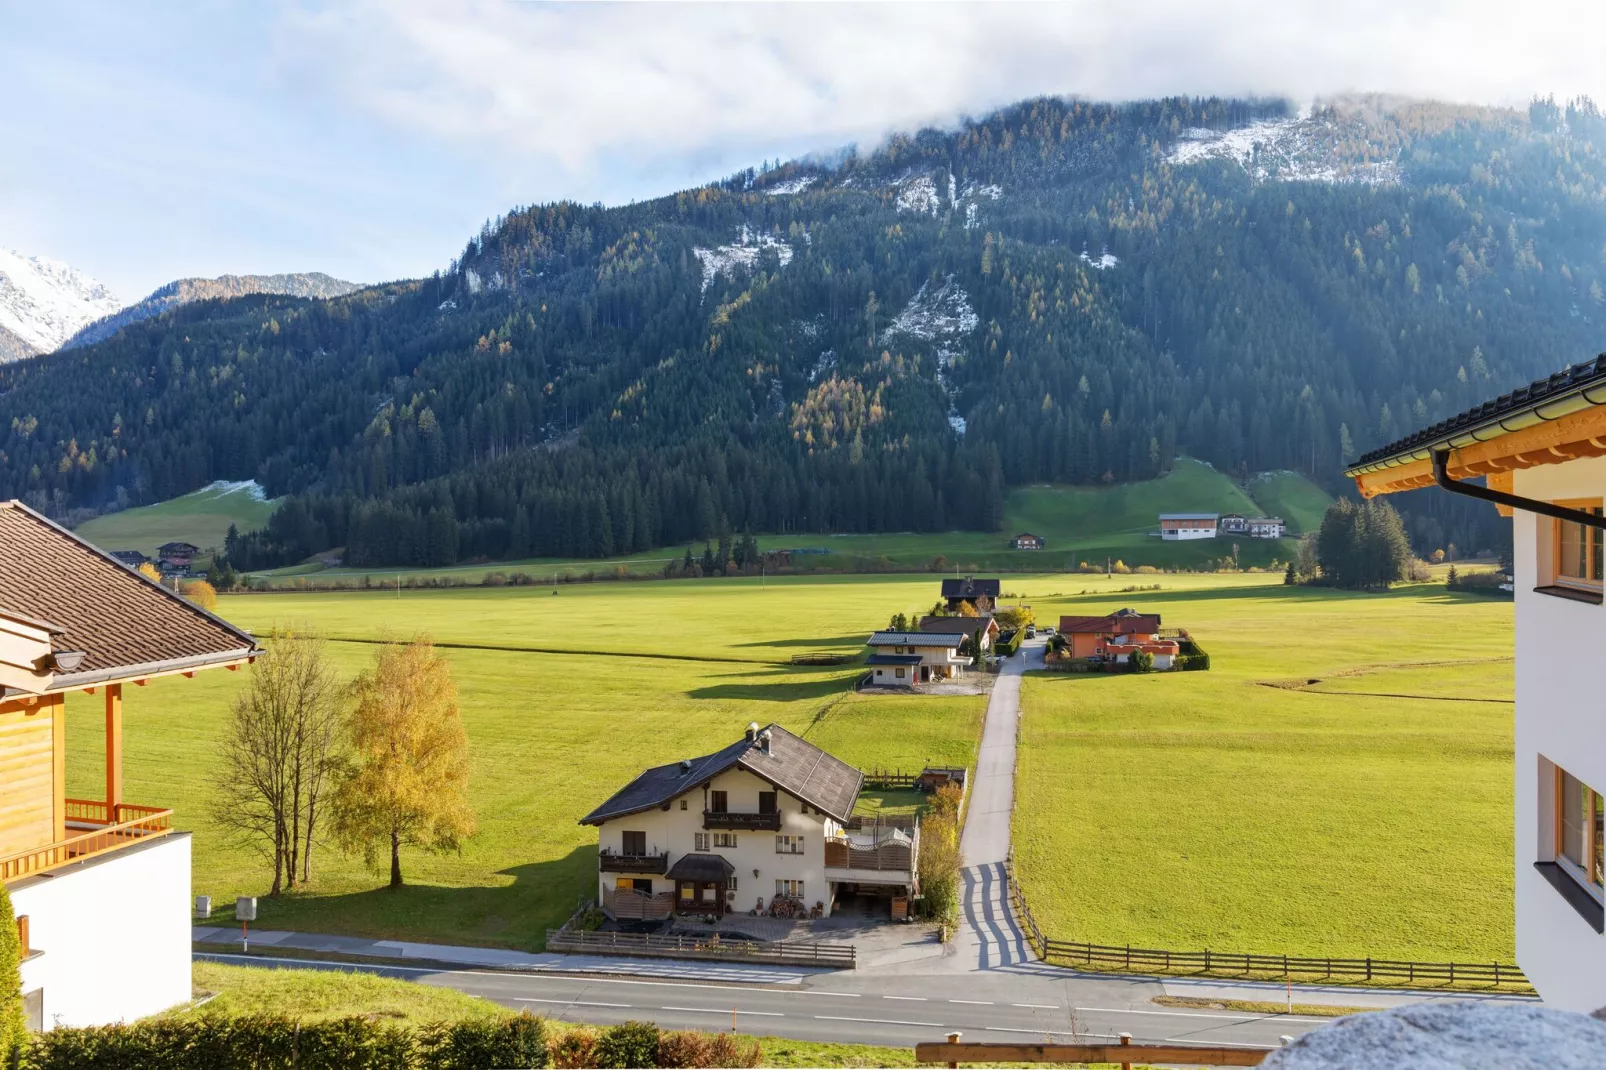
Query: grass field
(1360, 807)
(202, 518)
(1079, 523)
(552, 734)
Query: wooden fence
(1339, 971)
(697, 946)
(890, 780)
(956, 1051)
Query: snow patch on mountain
(1100, 262)
(44, 302)
(744, 252)
(931, 314)
(919, 194)
(249, 487)
(790, 186)
(1301, 149)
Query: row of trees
(378, 764)
(1359, 546)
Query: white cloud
(596, 86)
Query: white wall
(1558, 718)
(114, 932)
(674, 830)
(1180, 534)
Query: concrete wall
(675, 830)
(1559, 721)
(114, 932)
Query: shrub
(13, 1026)
(628, 1045)
(1121, 568)
(726, 1050)
(683, 1049)
(495, 579)
(491, 1042)
(576, 1048)
(200, 592)
(1141, 661)
(349, 1044)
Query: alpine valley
(1062, 291)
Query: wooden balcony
(93, 829)
(611, 862)
(637, 906)
(742, 822)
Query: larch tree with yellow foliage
(407, 782)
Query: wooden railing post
(1126, 1040)
(953, 1038)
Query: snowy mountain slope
(183, 291)
(44, 302)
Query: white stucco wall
(674, 830)
(1558, 718)
(114, 932)
(1182, 534)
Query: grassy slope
(1291, 496)
(202, 517)
(1079, 523)
(1206, 810)
(551, 734)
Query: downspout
(1441, 475)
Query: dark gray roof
(915, 639)
(892, 659)
(701, 868)
(957, 625)
(970, 587)
(792, 764)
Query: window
(789, 845)
(900, 672)
(730, 885)
(710, 893)
(635, 843)
(642, 885)
(688, 891)
(699, 841)
(683, 804)
(766, 802)
(1578, 550)
(792, 889)
(724, 839)
(1580, 824)
(718, 802)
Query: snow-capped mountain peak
(44, 302)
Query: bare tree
(278, 755)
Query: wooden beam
(114, 751)
(58, 760)
(1502, 481)
(1183, 1054)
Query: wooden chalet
(980, 595)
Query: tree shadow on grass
(781, 685)
(513, 915)
(811, 644)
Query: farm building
(1265, 527)
(1180, 526)
(177, 556)
(909, 659)
(100, 885)
(768, 818)
(1233, 524)
(1541, 453)
(131, 558)
(985, 624)
(1027, 541)
(980, 595)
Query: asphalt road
(843, 1006)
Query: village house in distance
(1177, 527)
(980, 595)
(763, 823)
(100, 886)
(1117, 636)
(1542, 453)
(1027, 541)
(909, 659)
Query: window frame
(788, 844)
(1594, 822)
(719, 802)
(700, 841)
(1594, 540)
(725, 841)
(625, 838)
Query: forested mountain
(1062, 291)
(183, 291)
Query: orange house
(1116, 634)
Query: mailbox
(203, 906)
(245, 908)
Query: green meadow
(1338, 784)
(201, 517)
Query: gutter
(1441, 475)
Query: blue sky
(144, 141)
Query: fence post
(1368, 967)
(1126, 1038)
(953, 1038)
(1452, 973)
(1207, 960)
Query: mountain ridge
(43, 302)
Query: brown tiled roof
(793, 764)
(1125, 622)
(126, 625)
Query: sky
(143, 141)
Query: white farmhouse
(909, 659)
(100, 885)
(1542, 452)
(768, 817)
(1176, 527)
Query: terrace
(92, 828)
(875, 850)
(610, 861)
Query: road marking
(977, 1002)
(724, 1010)
(1195, 1040)
(568, 1002)
(1197, 1014)
(915, 999)
(813, 992)
(1050, 1032)
(877, 1021)
(542, 973)
(1036, 1006)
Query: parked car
(1031, 631)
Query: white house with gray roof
(909, 659)
(769, 816)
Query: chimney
(685, 766)
(752, 731)
(764, 740)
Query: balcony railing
(93, 829)
(742, 822)
(612, 862)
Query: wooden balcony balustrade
(742, 822)
(615, 862)
(637, 906)
(887, 856)
(93, 829)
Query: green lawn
(1207, 810)
(551, 735)
(202, 518)
(1291, 496)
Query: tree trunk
(395, 859)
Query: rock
(1451, 1036)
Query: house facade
(1265, 527)
(768, 817)
(1118, 636)
(909, 659)
(980, 595)
(1540, 452)
(1027, 541)
(1176, 527)
(1233, 524)
(177, 556)
(100, 885)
